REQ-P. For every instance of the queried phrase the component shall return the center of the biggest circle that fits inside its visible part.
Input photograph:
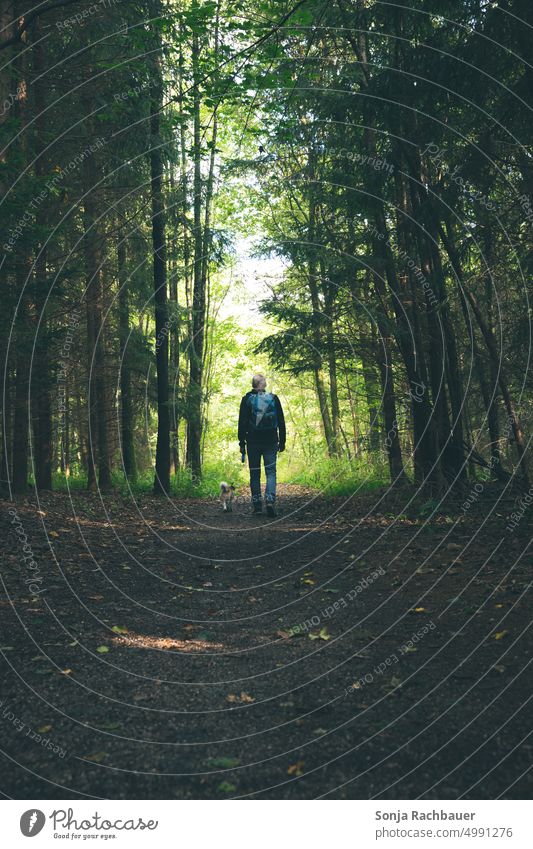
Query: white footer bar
(267, 824)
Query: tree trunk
(41, 379)
(424, 432)
(384, 358)
(23, 337)
(162, 457)
(196, 347)
(21, 412)
(329, 302)
(444, 362)
(372, 393)
(41, 382)
(513, 418)
(317, 318)
(97, 385)
(353, 411)
(6, 458)
(174, 337)
(126, 403)
(65, 454)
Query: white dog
(227, 492)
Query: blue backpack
(263, 415)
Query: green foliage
(293, 282)
(340, 477)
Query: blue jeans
(268, 453)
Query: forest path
(168, 656)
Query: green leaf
(223, 763)
(96, 757)
(226, 787)
(320, 635)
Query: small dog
(227, 492)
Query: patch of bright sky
(251, 280)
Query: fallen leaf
(66, 671)
(320, 635)
(296, 769)
(44, 729)
(393, 684)
(226, 787)
(285, 635)
(118, 629)
(223, 763)
(243, 698)
(97, 757)
(499, 635)
(102, 649)
(53, 534)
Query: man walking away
(261, 434)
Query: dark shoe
(257, 509)
(271, 511)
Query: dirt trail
(347, 648)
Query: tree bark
(97, 384)
(23, 338)
(384, 359)
(126, 401)
(317, 316)
(162, 458)
(41, 379)
(329, 303)
(21, 411)
(424, 430)
(513, 418)
(196, 346)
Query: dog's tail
(224, 487)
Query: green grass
(338, 476)
(181, 485)
(331, 476)
(74, 483)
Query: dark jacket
(244, 422)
